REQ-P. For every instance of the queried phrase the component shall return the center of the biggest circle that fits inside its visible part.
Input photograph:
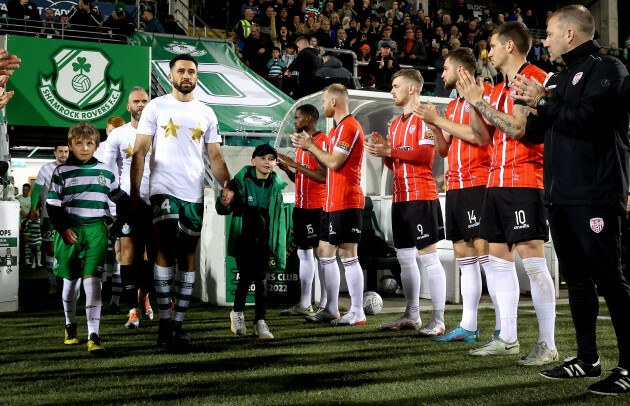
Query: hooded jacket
(333, 72)
(277, 220)
(584, 126)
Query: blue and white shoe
(460, 334)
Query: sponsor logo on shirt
(412, 129)
(344, 145)
(577, 78)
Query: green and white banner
(242, 100)
(62, 82)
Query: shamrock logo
(81, 82)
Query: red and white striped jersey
(468, 164)
(343, 186)
(308, 193)
(412, 181)
(515, 163)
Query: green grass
(304, 365)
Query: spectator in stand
(482, 45)
(364, 11)
(380, 13)
(305, 65)
(335, 24)
(454, 33)
(329, 8)
(285, 38)
(516, 15)
(383, 67)
(342, 40)
(418, 18)
(411, 51)
(500, 19)
(257, 50)
(398, 15)
(401, 31)
(529, 20)
(447, 23)
(614, 51)
(24, 10)
(348, 10)
(267, 19)
(487, 32)
(440, 38)
(120, 20)
(469, 42)
(172, 27)
(536, 51)
(545, 63)
(439, 18)
(485, 68)
(473, 27)
(64, 24)
(485, 16)
(626, 52)
(284, 20)
(368, 83)
(325, 36)
(461, 10)
(387, 38)
(50, 28)
(454, 44)
(85, 13)
(353, 29)
(440, 91)
(276, 67)
(310, 25)
(331, 72)
(374, 32)
(301, 30)
(310, 9)
(151, 24)
(366, 53)
(250, 5)
(313, 42)
(434, 54)
(427, 27)
(244, 27)
(288, 81)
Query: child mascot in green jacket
(257, 232)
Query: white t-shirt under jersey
(43, 178)
(117, 154)
(180, 131)
(99, 154)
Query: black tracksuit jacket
(584, 126)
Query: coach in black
(581, 112)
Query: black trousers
(253, 265)
(587, 241)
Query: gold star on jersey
(196, 132)
(171, 129)
(128, 151)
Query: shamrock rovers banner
(242, 100)
(62, 82)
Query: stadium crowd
(385, 34)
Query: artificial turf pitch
(304, 365)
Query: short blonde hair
(412, 76)
(84, 130)
(336, 90)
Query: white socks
(332, 279)
(507, 291)
(49, 269)
(471, 291)
(437, 284)
(354, 280)
(184, 283)
(117, 286)
(410, 278)
(323, 296)
(307, 273)
(544, 298)
(92, 287)
(163, 277)
(487, 268)
(69, 298)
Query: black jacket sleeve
(581, 118)
(58, 218)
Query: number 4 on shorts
(166, 205)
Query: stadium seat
(374, 251)
(247, 142)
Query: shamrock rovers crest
(80, 90)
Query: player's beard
(135, 114)
(450, 85)
(183, 90)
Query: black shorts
(512, 215)
(463, 213)
(134, 225)
(306, 226)
(341, 226)
(417, 223)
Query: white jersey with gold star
(180, 131)
(117, 154)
